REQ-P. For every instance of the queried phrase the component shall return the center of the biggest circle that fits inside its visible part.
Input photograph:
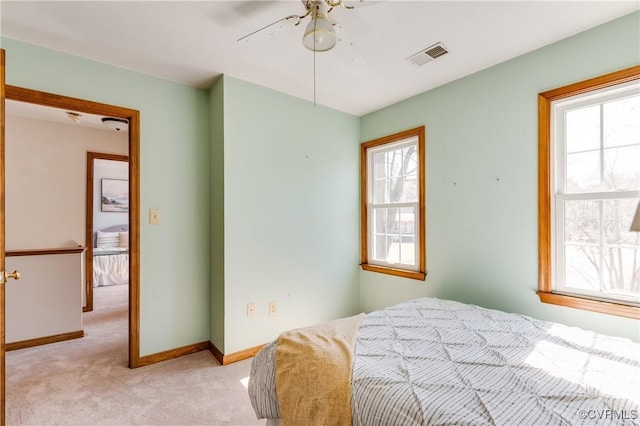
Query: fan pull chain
(315, 22)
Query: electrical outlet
(273, 308)
(251, 309)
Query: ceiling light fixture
(319, 36)
(115, 123)
(74, 116)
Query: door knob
(15, 275)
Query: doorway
(133, 118)
(104, 166)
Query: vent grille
(436, 51)
(428, 54)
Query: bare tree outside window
(602, 158)
(392, 204)
(395, 181)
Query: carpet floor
(86, 381)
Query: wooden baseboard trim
(216, 353)
(44, 340)
(233, 357)
(171, 354)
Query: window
(589, 187)
(393, 204)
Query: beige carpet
(86, 381)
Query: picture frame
(115, 195)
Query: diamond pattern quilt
(441, 362)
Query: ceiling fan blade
(274, 26)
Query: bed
(111, 256)
(440, 362)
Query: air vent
(428, 54)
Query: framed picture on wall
(115, 195)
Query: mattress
(441, 362)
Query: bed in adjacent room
(440, 362)
(111, 256)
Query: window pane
(380, 237)
(582, 271)
(583, 172)
(410, 189)
(410, 160)
(407, 239)
(393, 225)
(582, 222)
(394, 235)
(583, 129)
(621, 259)
(380, 165)
(622, 270)
(582, 245)
(395, 176)
(622, 122)
(380, 191)
(380, 247)
(379, 221)
(407, 221)
(385, 232)
(380, 182)
(618, 215)
(622, 168)
(395, 162)
(395, 190)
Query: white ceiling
(194, 42)
(56, 115)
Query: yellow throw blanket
(313, 373)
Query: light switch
(154, 216)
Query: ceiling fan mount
(319, 35)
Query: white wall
(46, 180)
(46, 301)
(107, 169)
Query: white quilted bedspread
(440, 362)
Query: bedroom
(489, 258)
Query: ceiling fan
(319, 35)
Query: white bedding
(110, 266)
(440, 362)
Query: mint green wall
(174, 175)
(290, 213)
(216, 103)
(482, 177)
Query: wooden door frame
(88, 235)
(133, 116)
(3, 348)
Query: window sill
(603, 307)
(416, 275)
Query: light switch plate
(154, 216)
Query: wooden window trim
(544, 195)
(421, 273)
